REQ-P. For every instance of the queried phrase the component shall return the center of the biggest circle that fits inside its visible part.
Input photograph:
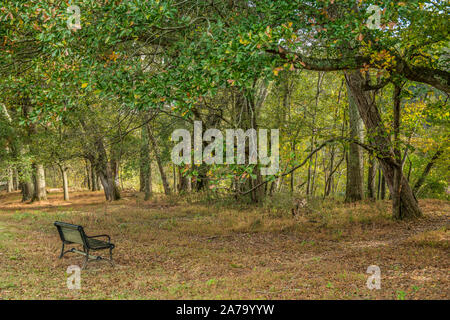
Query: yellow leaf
(84, 85)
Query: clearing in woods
(170, 248)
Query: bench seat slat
(97, 244)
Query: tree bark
(65, 181)
(144, 158)
(94, 178)
(16, 179)
(292, 178)
(379, 184)
(272, 187)
(145, 170)
(104, 172)
(328, 178)
(148, 183)
(106, 178)
(309, 183)
(88, 176)
(141, 179)
(25, 181)
(27, 189)
(383, 186)
(158, 160)
(380, 140)
(115, 166)
(395, 193)
(40, 193)
(258, 194)
(371, 177)
(183, 181)
(10, 185)
(355, 164)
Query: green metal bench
(74, 234)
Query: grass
(175, 248)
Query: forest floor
(172, 248)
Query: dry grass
(171, 248)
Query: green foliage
(190, 59)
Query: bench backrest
(71, 233)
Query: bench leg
(62, 251)
(87, 258)
(111, 261)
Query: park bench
(74, 234)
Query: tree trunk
(427, 170)
(40, 193)
(158, 160)
(104, 172)
(189, 183)
(279, 183)
(144, 158)
(355, 163)
(272, 187)
(141, 180)
(254, 101)
(145, 170)
(383, 186)
(10, 185)
(27, 189)
(107, 184)
(107, 180)
(16, 179)
(65, 182)
(26, 186)
(371, 177)
(314, 184)
(115, 166)
(328, 178)
(174, 175)
(94, 179)
(148, 183)
(379, 184)
(183, 181)
(257, 195)
(395, 193)
(375, 129)
(88, 175)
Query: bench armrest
(102, 235)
